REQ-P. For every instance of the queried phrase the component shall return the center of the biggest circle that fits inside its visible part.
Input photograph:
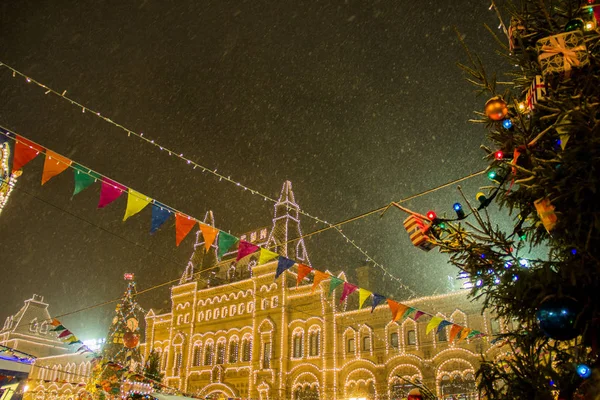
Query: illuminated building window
(253, 237)
(314, 340)
(200, 316)
(232, 310)
(411, 337)
(208, 354)
(208, 315)
(250, 306)
(274, 302)
(186, 318)
(263, 234)
(246, 349)
(442, 335)
(394, 339)
(366, 343)
(267, 355)
(178, 362)
(297, 346)
(196, 358)
(217, 313)
(265, 304)
(233, 351)
(350, 348)
(242, 308)
(224, 311)
(221, 353)
(495, 326)
(243, 237)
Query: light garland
(7, 179)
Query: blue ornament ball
(557, 317)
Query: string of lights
(194, 165)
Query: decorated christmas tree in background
(122, 342)
(542, 276)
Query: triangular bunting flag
(246, 248)
(418, 315)
(83, 178)
(453, 332)
(135, 203)
(72, 339)
(318, 278)
(54, 165)
(225, 242)
(58, 328)
(335, 282)
(473, 333)
(109, 192)
(65, 333)
(183, 226)
(55, 322)
(407, 313)
(25, 151)
(266, 256)
(282, 265)
(363, 295)
(377, 298)
(464, 333)
(397, 309)
(442, 325)
(303, 271)
(209, 234)
(433, 324)
(160, 214)
(348, 289)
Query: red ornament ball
(130, 340)
(496, 109)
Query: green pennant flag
(59, 328)
(84, 177)
(225, 241)
(407, 313)
(335, 282)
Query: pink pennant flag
(418, 315)
(246, 248)
(348, 289)
(109, 192)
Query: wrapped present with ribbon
(536, 92)
(417, 229)
(560, 54)
(546, 213)
(515, 31)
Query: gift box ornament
(417, 230)
(516, 30)
(536, 92)
(546, 213)
(560, 54)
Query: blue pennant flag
(160, 214)
(442, 325)
(282, 265)
(377, 298)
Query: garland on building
(26, 150)
(8, 179)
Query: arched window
(394, 339)
(221, 353)
(411, 337)
(297, 344)
(246, 349)
(366, 343)
(266, 355)
(178, 362)
(233, 351)
(197, 355)
(350, 347)
(265, 304)
(274, 302)
(314, 343)
(208, 354)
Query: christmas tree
(541, 277)
(123, 337)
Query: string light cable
(195, 165)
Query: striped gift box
(536, 92)
(416, 228)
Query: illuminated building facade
(8, 179)
(238, 332)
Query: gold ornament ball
(130, 340)
(496, 109)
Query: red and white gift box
(417, 229)
(536, 92)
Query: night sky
(358, 103)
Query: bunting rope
(195, 165)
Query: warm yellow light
(589, 26)
(25, 388)
(521, 106)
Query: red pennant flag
(418, 315)
(303, 271)
(109, 192)
(183, 226)
(348, 289)
(246, 248)
(65, 333)
(453, 332)
(25, 151)
(54, 165)
(397, 309)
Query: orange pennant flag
(209, 234)
(303, 271)
(464, 333)
(453, 332)
(318, 278)
(54, 165)
(55, 322)
(183, 226)
(397, 309)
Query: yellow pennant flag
(464, 333)
(433, 324)
(318, 278)
(363, 295)
(266, 256)
(135, 203)
(54, 165)
(209, 234)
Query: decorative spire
(286, 227)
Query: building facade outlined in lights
(236, 332)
